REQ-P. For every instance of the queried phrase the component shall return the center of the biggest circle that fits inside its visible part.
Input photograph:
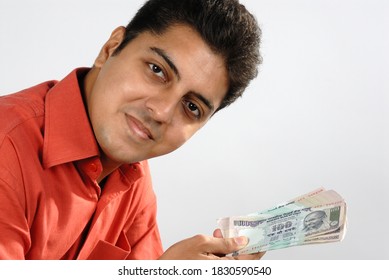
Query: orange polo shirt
(50, 204)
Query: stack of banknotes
(316, 217)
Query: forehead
(184, 42)
(183, 34)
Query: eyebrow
(167, 59)
(207, 102)
(171, 64)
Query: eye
(192, 109)
(157, 71)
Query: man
(314, 221)
(74, 180)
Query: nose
(162, 106)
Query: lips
(138, 128)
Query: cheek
(180, 134)
(110, 97)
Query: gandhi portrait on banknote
(315, 221)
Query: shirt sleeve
(14, 237)
(14, 230)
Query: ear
(110, 46)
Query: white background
(316, 116)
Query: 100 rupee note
(316, 217)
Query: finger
(229, 258)
(226, 245)
(217, 233)
(255, 256)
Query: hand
(217, 233)
(202, 247)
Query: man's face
(155, 94)
(314, 220)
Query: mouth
(138, 128)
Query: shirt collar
(68, 135)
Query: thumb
(217, 233)
(227, 245)
(241, 241)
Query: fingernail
(241, 240)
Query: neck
(87, 86)
(88, 83)
(108, 167)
